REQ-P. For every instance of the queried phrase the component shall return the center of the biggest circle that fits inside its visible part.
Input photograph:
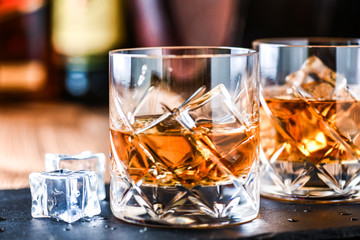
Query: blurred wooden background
(29, 130)
(38, 66)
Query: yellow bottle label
(86, 27)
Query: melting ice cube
(149, 104)
(215, 107)
(315, 80)
(82, 161)
(221, 133)
(64, 195)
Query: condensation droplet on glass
(142, 75)
(135, 93)
(141, 80)
(130, 117)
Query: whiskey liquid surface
(168, 154)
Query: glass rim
(131, 52)
(315, 42)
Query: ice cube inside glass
(64, 195)
(82, 161)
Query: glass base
(306, 182)
(310, 195)
(180, 207)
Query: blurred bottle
(188, 22)
(24, 50)
(83, 31)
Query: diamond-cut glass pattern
(192, 164)
(310, 136)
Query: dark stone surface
(277, 220)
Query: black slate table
(277, 220)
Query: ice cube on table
(315, 80)
(82, 161)
(63, 194)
